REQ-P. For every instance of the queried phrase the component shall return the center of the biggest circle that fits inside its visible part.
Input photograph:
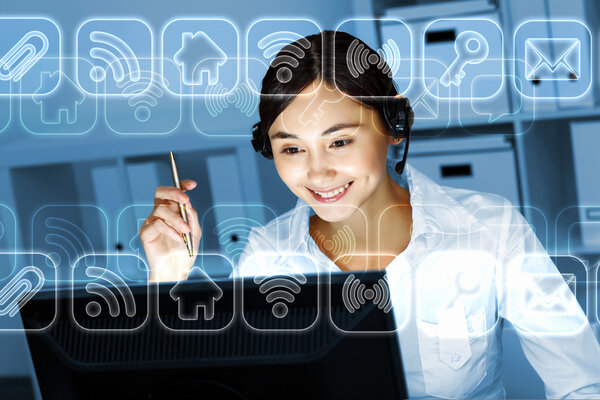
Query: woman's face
(330, 150)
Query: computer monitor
(239, 345)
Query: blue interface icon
(26, 43)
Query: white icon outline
(107, 298)
(495, 59)
(79, 56)
(58, 48)
(517, 67)
(252, 26)
(184, 85)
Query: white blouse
(472, 262)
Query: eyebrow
(337, 127)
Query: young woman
(458, 262)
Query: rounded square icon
(105, 301)
(62, 232)
(27, 291)
(565, 57)
(231, 226)
(459, 286)
(26, 42)
(202, 55)
(129, 222)
(280, 291)
(423, 93)
(145, 107)
(8, 235)
(597, 290)
(465, 49)
(200, 302)
(226, 111)
(491, 109)
(5, 112)
(358, 296)
(540, 299)
(394, 55)
(113, 52)
(67, 110)
(268, 37)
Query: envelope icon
(426, 105)
(550, 295)
(552, 59)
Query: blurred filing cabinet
(482, 164)
(434, 50)
(585, 138)
(523, 20)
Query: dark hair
(323, 56)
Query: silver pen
(186, 236)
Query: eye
(290, 150)
(342, 142)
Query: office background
(535, 141)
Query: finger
(155, 227)
(172, 218)
(188, 184)
(171, 193)
(166, 203)
(192, 215)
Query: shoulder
(501, 220)
(486, 207)
(283, 232)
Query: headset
(398, 114)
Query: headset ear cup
(267, 151)
(260, 142)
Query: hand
(162, 234)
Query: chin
(334, 213)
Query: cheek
(372, 159)
(288, 174)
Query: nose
(321, 169)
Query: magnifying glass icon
(466, 285)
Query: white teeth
(333, 192)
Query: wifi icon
(342, 243)
(233, 235)
(281, 42)
(243, 97)
(68, 241)
(143, 93)
(108, 279)
(103, 299)
(355, 294)
(110, 58)
(359, 59)
(111, 51)
(280, 290)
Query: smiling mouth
(332, 195)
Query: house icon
(199, 54)
(188, 301)
(63, 101)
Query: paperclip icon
(24, 54)
(19, 291)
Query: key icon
(471, 48)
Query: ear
(392, 141)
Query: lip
(330, 199)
